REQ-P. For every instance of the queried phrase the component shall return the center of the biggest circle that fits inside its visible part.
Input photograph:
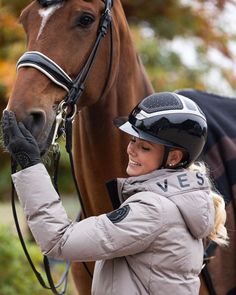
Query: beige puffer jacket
(150, 245)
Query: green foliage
(165, 68)
(16, 276)
(3, 91)
(198, 21)
(5, 181)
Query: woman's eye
(85, 20)
(145, 148)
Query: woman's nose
(131, 149)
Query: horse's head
(60, 38)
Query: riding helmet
(169, 119)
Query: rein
(64, 121)
(64, 278)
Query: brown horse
(64, 33)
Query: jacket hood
(190, 191)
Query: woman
(152, 244)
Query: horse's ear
(46, 3)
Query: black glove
(19, 141)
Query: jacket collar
(122, 188)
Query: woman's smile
(131, 162)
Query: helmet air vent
(166, 101)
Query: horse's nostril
(35, 122)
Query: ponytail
(219, 234)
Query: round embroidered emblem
(119, 214)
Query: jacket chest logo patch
(119, 214)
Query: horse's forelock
(46, 3)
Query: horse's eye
(85, 20)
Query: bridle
(56, 74)
(65, 115)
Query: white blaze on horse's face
(46, 13)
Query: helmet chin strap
(164, 165)
(165, 157)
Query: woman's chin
(133, 171)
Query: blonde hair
(219, 234)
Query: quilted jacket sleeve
(95, 238)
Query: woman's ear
(174, 158)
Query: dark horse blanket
(220, 155)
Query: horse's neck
(129, 87)
(99, 148)
(94, 124)
(132, 82)
(128, 81)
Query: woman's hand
(19, 141)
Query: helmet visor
(124, 125)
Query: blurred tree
(162, 24)
(12, 44)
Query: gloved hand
(19, 141)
